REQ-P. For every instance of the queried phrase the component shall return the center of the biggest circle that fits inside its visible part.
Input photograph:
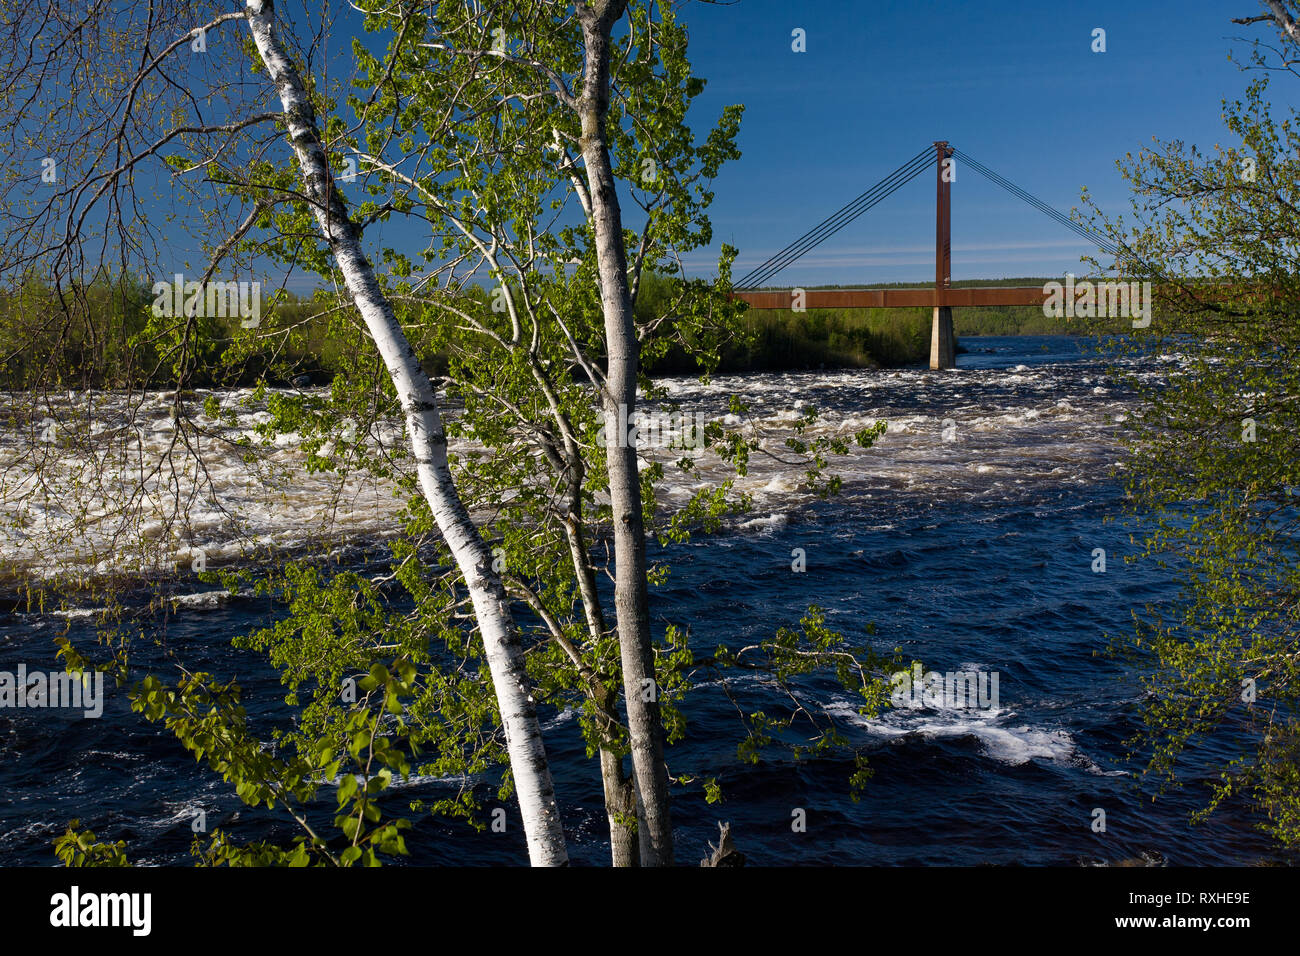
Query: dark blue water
(971, 552)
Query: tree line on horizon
(111, 347)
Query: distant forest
(47, 339)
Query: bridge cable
(838, 220)
(832, 224)
(1027, 197)
(1101, 242)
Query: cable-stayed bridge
(942, 298)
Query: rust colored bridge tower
(943, 298)
(943, 349)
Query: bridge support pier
(943, 348)
(943, 345)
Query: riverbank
(55, 352)
(782, 340)
(785, 341)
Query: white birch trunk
(532, 777)
(631, 594)
(1282, 17)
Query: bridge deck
(897, 298)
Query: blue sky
(1015, 84)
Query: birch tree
(524, 84)
(519, 168)
(618, 400)
(429, 445)
(480, 135)
(133, 138)
(1213, 464)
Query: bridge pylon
(943, 344)
(943, 298)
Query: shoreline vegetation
(873, 338)
(43, 345)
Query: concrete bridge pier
(943, 345)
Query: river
(966, 536)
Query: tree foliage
(458, 125)
(1214, 462)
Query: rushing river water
(966, 535)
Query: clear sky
(1015, 84)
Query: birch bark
(528, 763)
(631, 595)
